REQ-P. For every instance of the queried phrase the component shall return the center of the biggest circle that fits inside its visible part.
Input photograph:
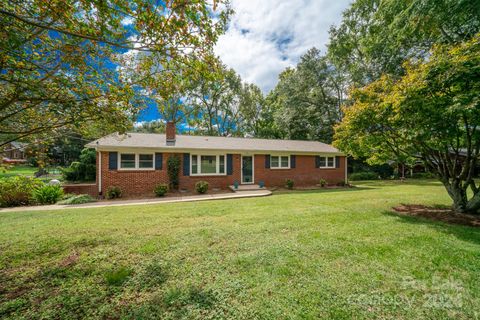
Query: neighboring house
(14, 152)
(136, 162)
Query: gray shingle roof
(158, 141)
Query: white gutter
(99, 172)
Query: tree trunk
(473, 205)
(458, 195)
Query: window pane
(284, 162)
(208, 164)
(323, 162)
(145, 161)
(222, 164)
(127, 160)
(330, 161)
(274, 162)
(194, 165)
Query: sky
(266, 36)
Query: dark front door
(247, 169)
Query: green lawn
(17, 170)
(319, 254)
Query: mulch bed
(438, 214)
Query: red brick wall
(142, 182)
(304, 173)
(132, 182)
(89, 188)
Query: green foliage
(117, 277)
(76, 87)
(173, 171)
(365, 175)
(384, 170)
(161, 189)
(341, 183)
(155, 126)
(201, 186)
(83, 170)
(323, 183)
(376, 37)
(77, 199)
(48, 194)
(289, 183)
(114, 192)
(17, 191)
(423, 175)
(430, 114)
(307, 99)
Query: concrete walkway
(117, 203)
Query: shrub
(323, 183)
(423, 175)
(114, 192)
(201, 186)
(84, 169)
(365, 175)
(17, 191)
(78, 199)
(48, 194)
(72, 173)
(160, 189)
(341, 183)
(173, 171)
(289, 183)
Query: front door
(247, 169)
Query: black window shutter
(292, 161)
(112, 160)
(337, 162)
(317, 161)
(186, 164)
(158, 161)
(229, 164)
(267, 161)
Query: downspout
(346, 170)
(99, 173)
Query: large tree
(432, 113)
(307, 99)
(59, 59)
(376, 36)
(216, 102)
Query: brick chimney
(170, 133)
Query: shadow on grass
(396, 183)
(322, 190)
(462, 232)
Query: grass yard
(336, 254)
(22, 170)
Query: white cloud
(127, 21)
(264, 37)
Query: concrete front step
(247, 187)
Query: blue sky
(266, 36)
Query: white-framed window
(136, 161)
(280, 162)
(207, 164)
(326, 162)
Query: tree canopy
(59, 60)
(376, 37)
(307, 99)
(432, 113)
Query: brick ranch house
(136, 162)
